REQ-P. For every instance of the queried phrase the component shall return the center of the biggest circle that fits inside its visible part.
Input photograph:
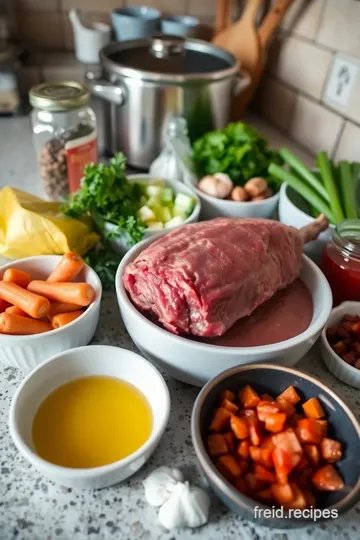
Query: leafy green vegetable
(237, 150)
(106, 194)
(105, 262)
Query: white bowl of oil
(121, 423)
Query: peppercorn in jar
(65, 135)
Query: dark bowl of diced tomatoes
(277, 446)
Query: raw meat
(201, 278)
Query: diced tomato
(220, 420)
(312, 452)
(327, 479)
(285, 406)
(284, 462)
(253, 483)
(313, 409)
(217, 444)
(265, 408)
(291, 395)
(268, 443)
(241, 485)
(230, 440)
(227, 394)
(248, 397)
(266, 397)
(330, 450)
(262, 473)
(309, 431)
(265, 495)
(229, 466)
(275, 422)
(288, 441)
(282, 493)
(230, 406)
(255, 431)
(324, 426)
(299, 500)
(243, 450)
(239, 427)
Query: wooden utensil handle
(223, 18)
(273, 20)
(251, 10)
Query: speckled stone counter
(33, 508)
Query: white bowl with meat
(222, 293)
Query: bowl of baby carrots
(277, 446)
(48, 304)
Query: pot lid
(168, 58)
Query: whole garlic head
(186, 507)
(218, 185)
(160, 484)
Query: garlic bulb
(160, 484)
(186, 507)
(218, 185)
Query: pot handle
(242, 81)
(102, 88)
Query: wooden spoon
(223, 15)
(272, 20)
(241, 38)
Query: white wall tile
(276, 102)
(303, 17)
(349, 145)
(314, 126)
(302, 65)
(339, 28)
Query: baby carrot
(19, 277)
(34, 305)
(60, 307)
(17, 325)
(81, 294)
(68, 268)
(14, 310)
(3, 305)
(65, 318)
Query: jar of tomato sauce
(341, 261)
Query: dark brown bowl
(273, 379)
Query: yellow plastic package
(31, 226)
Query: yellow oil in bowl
(90, 422)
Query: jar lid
(59, 96)
(168, 58)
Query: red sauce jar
(341, 261)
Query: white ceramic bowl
(343, 371)
(196, 363)
(292, 211)
(82, 362)
(211, 207)
(27, 352)
(120, 244)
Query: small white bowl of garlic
(220, 198)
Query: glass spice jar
(65, 135)
(341, 261)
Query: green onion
(303, 189)
(326, 171)
(347, 188)
(295, 164)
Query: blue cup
(135, 22)
(180, 25)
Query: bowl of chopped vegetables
(272, 436)
(331, 189)
(128, 209)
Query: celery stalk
(326, 171)
(309, 194)
(347, 189)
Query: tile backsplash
(292, 94)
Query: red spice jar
(341, 261)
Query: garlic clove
(186, 507)
(160, 484)
(219, 185)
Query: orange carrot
(17, 325)
(19, 277)
(68, 268)
(34, 305)
(81, 294)
(65, 318)
(59, 307)
(313, 409)
(4, 305)
(14, 310)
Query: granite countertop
(33, 508)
